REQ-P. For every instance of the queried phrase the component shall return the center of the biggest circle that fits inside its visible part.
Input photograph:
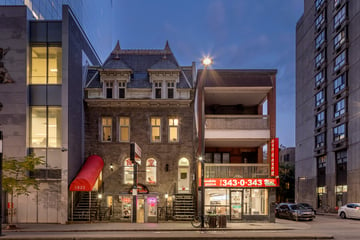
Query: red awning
(88, 174)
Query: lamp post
(206, 61)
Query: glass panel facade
(45, 127)
(46, 65)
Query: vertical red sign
(274, 154)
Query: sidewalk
(164, 230)
(163, 226)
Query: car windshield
(296, 207)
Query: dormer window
(122, 86)
(109, 89)
(158, 90)
(170, 89)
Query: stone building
(144, 97)
(327, 103)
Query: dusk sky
(244, 34)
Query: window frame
(320, 140)
(173, 125)
(339, 132)
(320, 20)
(319, 59)
(151, 168)
(340, 17)
(320, 39)
(158, 90)
(152, 127)
(124, 126)
(340, 61)
(340, 108)
(171, 90)
(109, 86)
(319, 78)
(102, 129)
(339, 39)
(320, 119)
(319, 98)
(122, 90)
(342, 83)
(128, 167)
(318, 4)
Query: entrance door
(183, 176)
(140, 211)
(236, 199)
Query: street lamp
(166, 199)
(298, 186)
(206, 61)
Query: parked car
(350, 210)
(294, 211)
(307, 206)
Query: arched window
(151, 171)
(128, 172)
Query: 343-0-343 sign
(241, 182)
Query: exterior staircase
(82, 210)
(183, 207)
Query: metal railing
(246, 170)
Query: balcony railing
(246, 170)
(237, 122)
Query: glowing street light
(207, 61)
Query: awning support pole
(89, 206)
(72, 206)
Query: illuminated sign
(274, 157)
(241, 182)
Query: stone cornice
(138, 103)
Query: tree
(286, 191)
(16, 176)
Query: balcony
(243, 122)
(236, 130)
(245, 170)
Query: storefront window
(255, 201)
(216, 201)
(126, 207)
(151, 202)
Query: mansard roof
(140, 61)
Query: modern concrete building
(327, 103)
(85, 11)
(144, 97)
(235, 116)
(41, 93)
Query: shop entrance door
(140, 211)
(236, 202)
(183, 176)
